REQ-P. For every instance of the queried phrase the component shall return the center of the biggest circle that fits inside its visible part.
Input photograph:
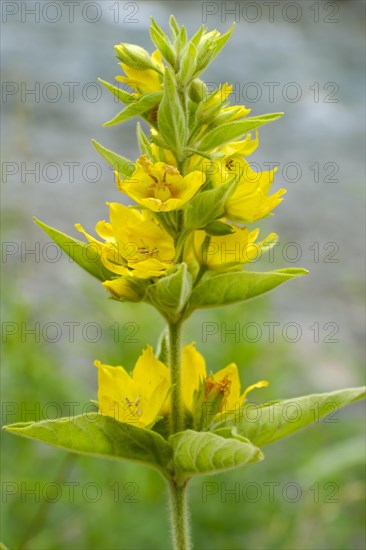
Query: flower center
(134, 407)
(160, 188)
(146, 252)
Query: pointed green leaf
(197, 36)
(174, 27)
(209, 51)
(84, 254)
(125, 97)
(188, 63)
(169, 294)
(143, 105)
(171, 118)
(218, 228)
(181, 39)
(124, 166)
(234, 130)
(206, 206)
(198, 453)
(98, 435)
(162, 350)
(163, 43)
(220, 42)
(269, 422)
(229, 288)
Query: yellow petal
(231, 401)
(193, 373)
(149, 372)
(260, 384)
(114, 386)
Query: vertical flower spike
(177, 249)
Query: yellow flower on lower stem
(137, 398)
(159, 186)
(194, 373)
(225, 252)
(135, 244)
(250, 201)
(141, 398)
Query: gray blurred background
(303, 58)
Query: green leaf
(125, 97)
(198, 453)
(163, 43)
(124, 166)
(208, 48)
(218, 228)
(220, 42)
(269, 422)
(234, 130)
(188, 63)
(98, 435)
(171, 118)
(229, 288)
(197, 36)
(206, 206)
(143, 105)
(84, 254)
(170, 293)
(174, 27)
(162, 350)
(181, 40)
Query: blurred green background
(309, 491)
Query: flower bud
(134, 56)
(197, 90)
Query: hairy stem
(179, 516)
(176, 415)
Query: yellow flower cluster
(142, 397)
(143, 242)
(135, 242)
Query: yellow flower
(144, 81)
(159, 186)
(250, 201)
(194, 374)
(238, 149)
(135, 244)
(137, 398)
(142, 397)
(230, 251)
